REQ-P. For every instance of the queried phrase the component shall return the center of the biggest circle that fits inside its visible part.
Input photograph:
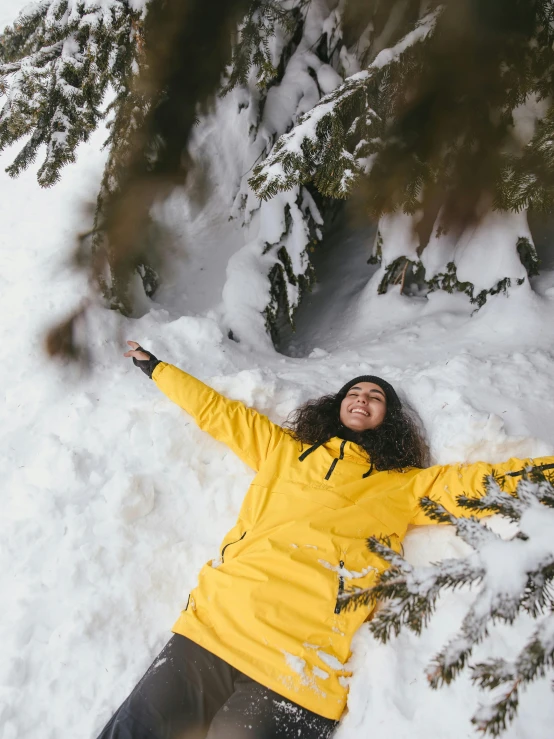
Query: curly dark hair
(394, 445)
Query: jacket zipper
(229, 544)
(341, 587)
(334, 462)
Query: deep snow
(113, 499)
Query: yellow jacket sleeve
(445, 483)
(251, 435)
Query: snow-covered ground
(112, 499)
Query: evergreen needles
(509, 576)
(56, 63)
(434, 110)
(251, 49)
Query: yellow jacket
(267, 606)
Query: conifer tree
(287, 53)
(410, 594)
(428, 137)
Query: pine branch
(533, 662)
(251, 49)
(539, 592)
(512, 576)
(55, 68)
(410, 595)
(175, 79)
(436, 511)
(495, 500)
(442, 137)
(322, 146)
(495, 718)
(33, 60)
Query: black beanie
(393, 401)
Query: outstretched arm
(444, 483)
(251, 435)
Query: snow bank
(486, 243)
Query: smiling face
(364, 407)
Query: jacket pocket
(229, 544)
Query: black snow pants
(189, 693)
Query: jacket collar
(352, 451)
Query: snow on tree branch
(253, 49)
(535, 659)
(56, 63)
(332, 144)
(509, 576)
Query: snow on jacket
(268, 604)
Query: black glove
(146, 365)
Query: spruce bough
(526, 562)
(56, 64)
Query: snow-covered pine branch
(509, 576)
(33, 60)
(289, 54)
(253, 44)
(534, 661)
(56, 64)
(334, 142)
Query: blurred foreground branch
(187, 44)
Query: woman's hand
(144, 360)
(140, 354)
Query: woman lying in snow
(260, 650)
